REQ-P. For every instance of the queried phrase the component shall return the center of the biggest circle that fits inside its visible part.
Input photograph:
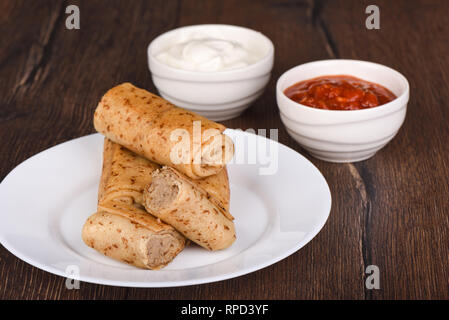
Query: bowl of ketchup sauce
(342, 110)
(341, 92)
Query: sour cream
(209, 54)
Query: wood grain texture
(391, 210)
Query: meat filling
(161, 249)
(162, 191)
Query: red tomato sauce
(341, 92)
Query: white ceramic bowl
(217, 95)
(343, 135)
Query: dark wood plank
(407, 182)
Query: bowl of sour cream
(214, 70)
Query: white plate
(45, 200)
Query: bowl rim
(403, 96)
(267, 58)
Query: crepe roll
(180, 202)
(149, 245)
(163, 133)
(217, 190)
(124, 175)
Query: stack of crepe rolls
(148, 200)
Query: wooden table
(390, 211)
